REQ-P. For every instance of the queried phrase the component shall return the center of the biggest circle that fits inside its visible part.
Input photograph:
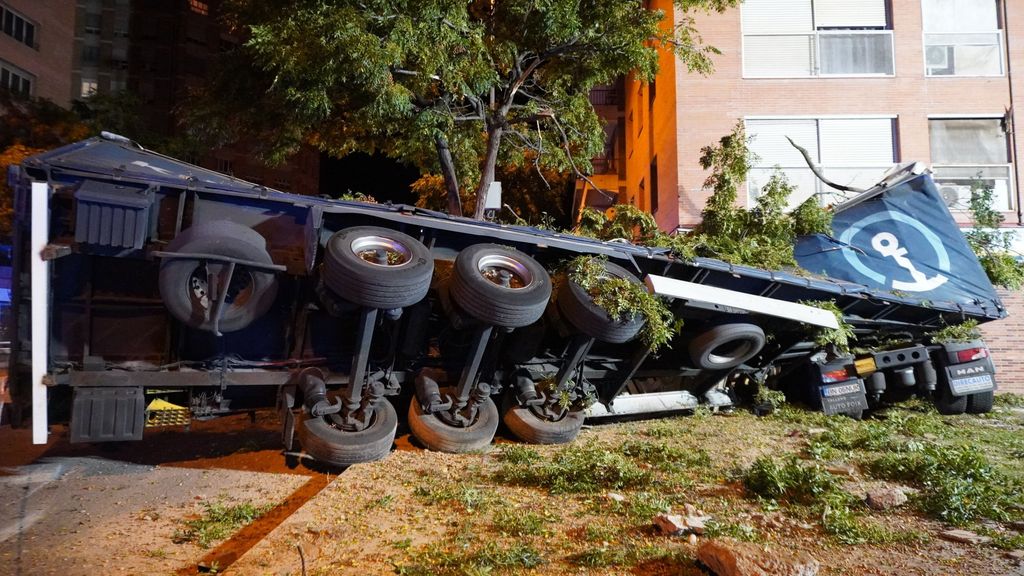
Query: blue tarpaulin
(902, 239)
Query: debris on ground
(728, 557)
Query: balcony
(960, 54)
(822, 53)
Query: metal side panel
(107, 414)
(664, 286)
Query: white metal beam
(40, 274)
(664, 286)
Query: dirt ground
(69, 509)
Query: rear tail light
(971, 354)
(836, 375)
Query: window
(15, 79)
(962, 38)
(89, 87)
(18, 27)
(93, 24)
(199, 7)
(90, 54)
(794, 38)
(966, 150)
(852, 151)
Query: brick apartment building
(861, 84)
(36, 47)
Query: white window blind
(849, 14)
(856, 142)
(772, 148)
(778, 55)
(960, 15)
(852, 151)
(777, 17)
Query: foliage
(810, 217)
(962, 332)
(532, 195)
(789, 480)
(842, 338)
(992, 246)
(959, 484)
(762, 237)
(486, 558)
(218, 522)
(623, 300)
(520, 523)
(453, 88)
(766, 396)
(587, 468)
(468, 497)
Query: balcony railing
(964, 54)
(955, 184)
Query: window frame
(821, 187)
(1000, 46)
(23, 75)
(1011, 183)
(29, 27)
(816, 35)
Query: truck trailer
(149, 292)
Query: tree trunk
(494, 133)
(451, 180)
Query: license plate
(843, 397)
(970, 378)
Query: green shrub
(577, 469)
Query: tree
(30, 126)
(456, 88)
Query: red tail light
(836, 375)
(971, 354)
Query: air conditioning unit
(937, 60)
(956, 196)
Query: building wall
(710, 106)
(1005, 339)
(49, 61)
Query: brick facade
(1005, 339)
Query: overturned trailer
(150, 291)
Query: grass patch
(790, 480)
(468, 497)
(578, 469)
(744, 532)
(218, 522)
(958, 483)
(626, 554)
(1008, 400)
(511, 522)
(664, 456)
(435, 560)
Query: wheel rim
(381, 251)
(505, 271)
(239, 291)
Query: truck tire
(726, 346)
(183, 287)
(578, 307)
(336, 447)
(981, 402)
(533, 429)
(437, 435)
(351, 271)
(946, 403)
(477, 290)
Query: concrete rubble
(728, 557)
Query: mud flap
(108, 414)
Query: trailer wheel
(726, 345)
(331, 445)
(435, 434)
(377, 267)
(184, 286)
(478, 286)
(946, 402)
(981, 402)
(530, 428)
(579, 309)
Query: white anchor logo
(888, 246)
